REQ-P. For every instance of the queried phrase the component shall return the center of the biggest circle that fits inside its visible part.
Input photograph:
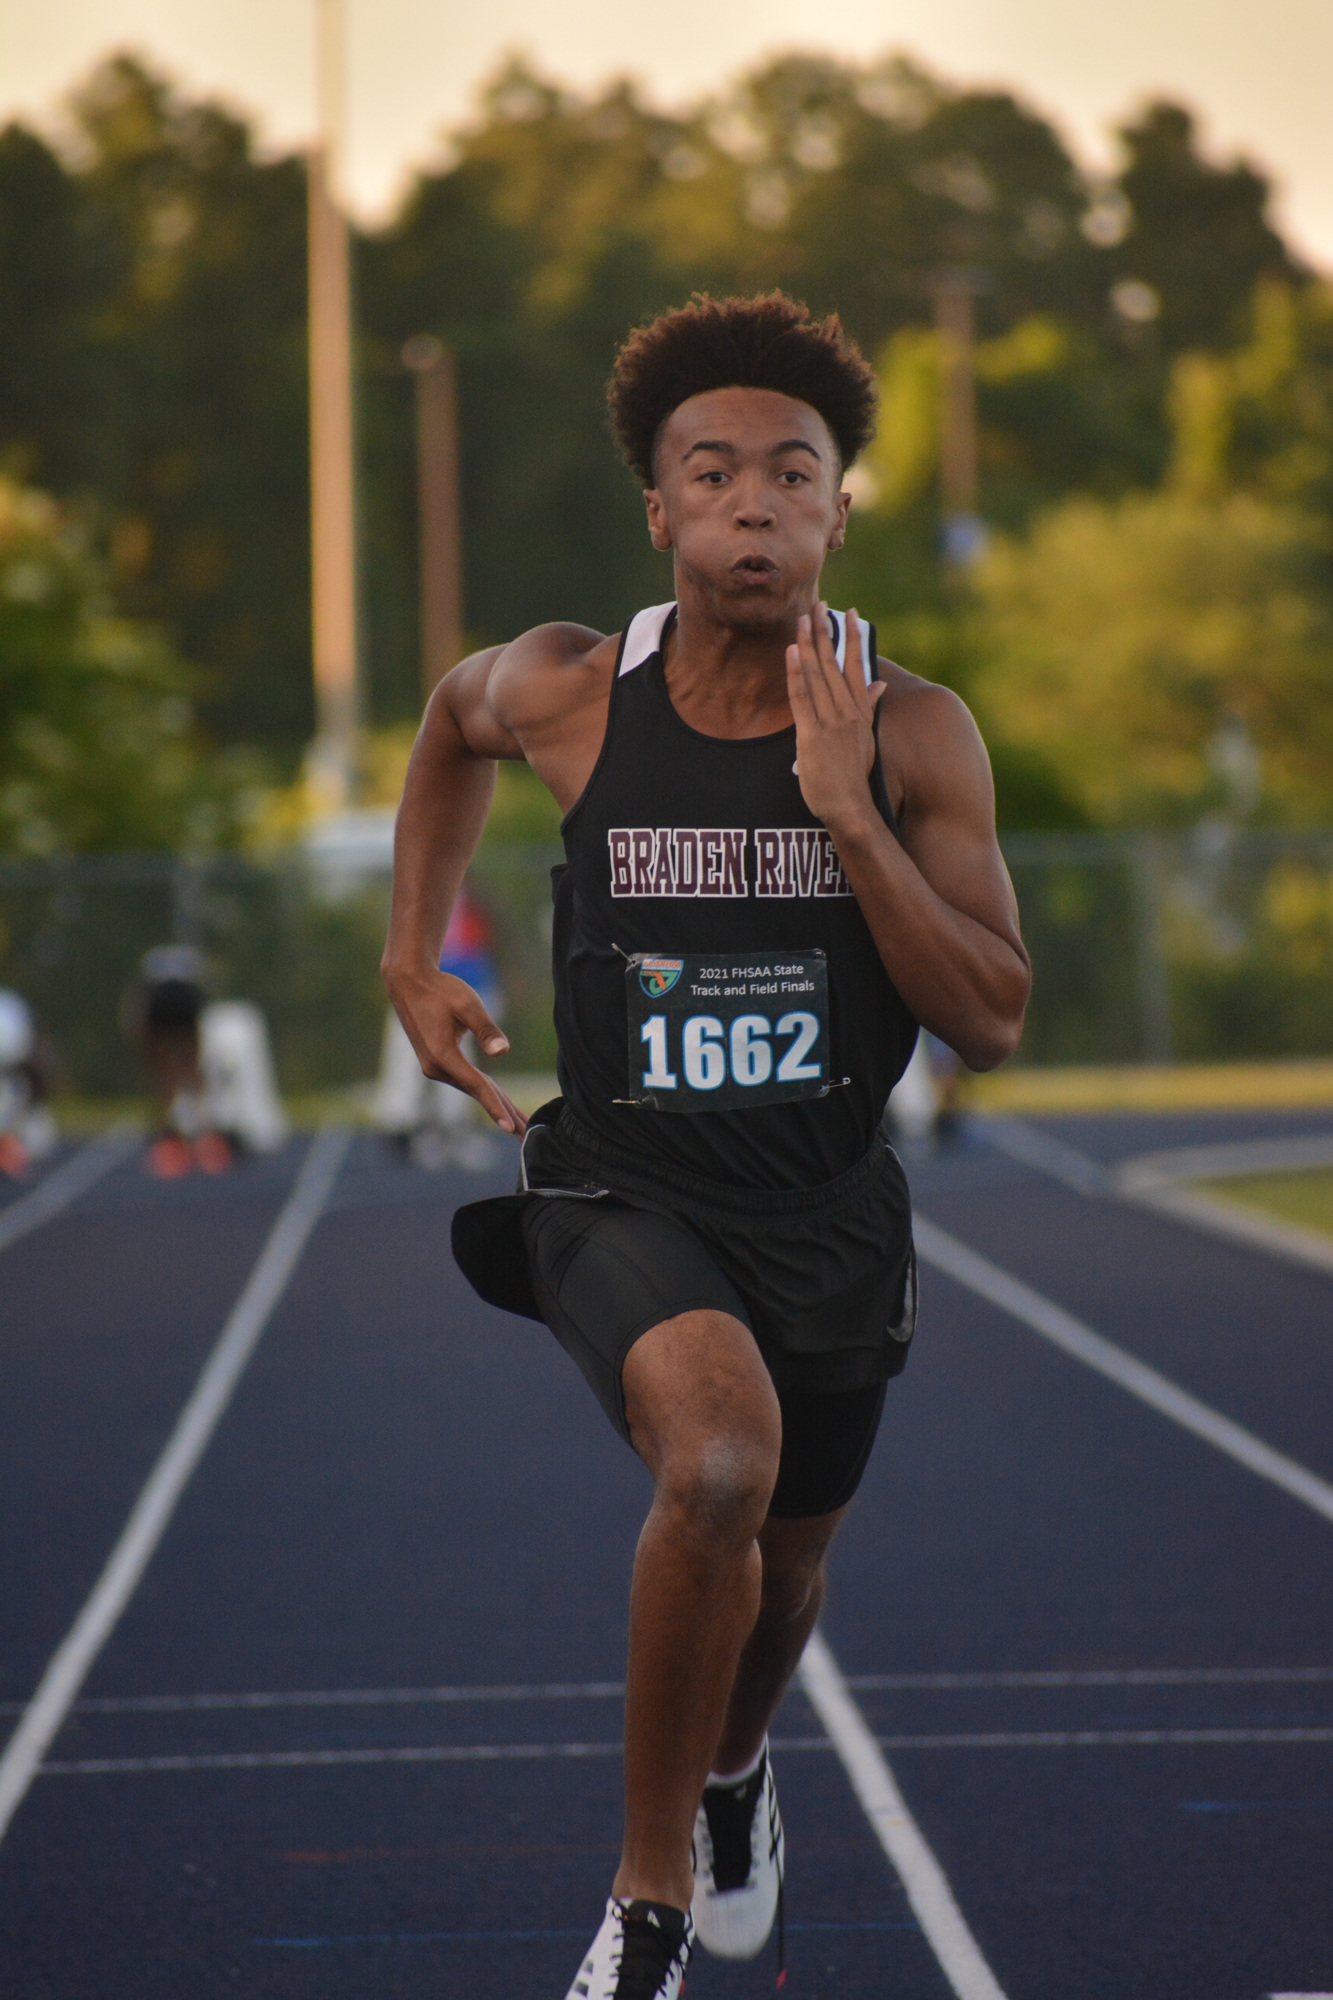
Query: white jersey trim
(644, 637)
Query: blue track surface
(415, 1499)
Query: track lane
(106, 1315)
(407, 1488)
(1094, 1535)
(1241, 1329)
(411, 1490)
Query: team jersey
(720, 1004)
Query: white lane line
(1097, 1739)
(1034, 1148)
(260, 1760)
(65, 1183)
(1151, 1181)
(156, 1503)
(1020, 1677)
(1059, 1677)
(154, 1704)
(492, 1753)
(1220, 1217)
(927, 1887)
(1293, 1154)
(1012, 1296)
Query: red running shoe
(169, 1157)
(213, 1154)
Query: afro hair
(769, 342)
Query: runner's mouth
(756, 566)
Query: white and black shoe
(640, 1953)
(738, 1860)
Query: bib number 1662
(728, 1032)
(746, 1052)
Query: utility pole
(438, 513)
(964, 532)
(332, 759)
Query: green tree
(97, 748)
(153, 371)
(152, 338)
(1261, 417)
(1130, 642)
(1198, 233)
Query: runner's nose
(754, 507)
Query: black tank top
(695, 858)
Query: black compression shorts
(823, 1277)
(604, 1273)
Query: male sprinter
(781, 858)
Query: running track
(1097, 1650)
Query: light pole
(438, 517)
(964, 532)
(332, 758)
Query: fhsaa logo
(658, 975)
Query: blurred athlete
(433, 1122)
(166, 1014)
(781, 857)
(27, 1129)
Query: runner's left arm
(938, 900)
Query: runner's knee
(720, 1486)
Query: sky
(1259, 74)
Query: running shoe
(169, 1157)
(738, 1859)
(213, 1154)
(640, 1953)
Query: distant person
(167, 1010)
(926, 1102)
(434, 1122)
(914, 1101)
(947, 1070)
(27, 1128)
(240, 1088)
(781, 857)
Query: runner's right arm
(446, 797)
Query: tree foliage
(96, 741)
(1137, 644)
(153, 375)
(156, 285)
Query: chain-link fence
(1200, 947)
(1207, 946)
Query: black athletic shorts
(173, 1006)
(823, 1277)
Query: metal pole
(964, 533)
(332, 472)
(1156, 1026)
(438, 512)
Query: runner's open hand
(437, 1011)
(834, 714)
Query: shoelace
(730, 1812)
(647, 1956)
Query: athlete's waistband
(635, 1174)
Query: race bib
(723, 1033)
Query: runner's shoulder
(548, 670)
(925, 728)
(921, 705)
